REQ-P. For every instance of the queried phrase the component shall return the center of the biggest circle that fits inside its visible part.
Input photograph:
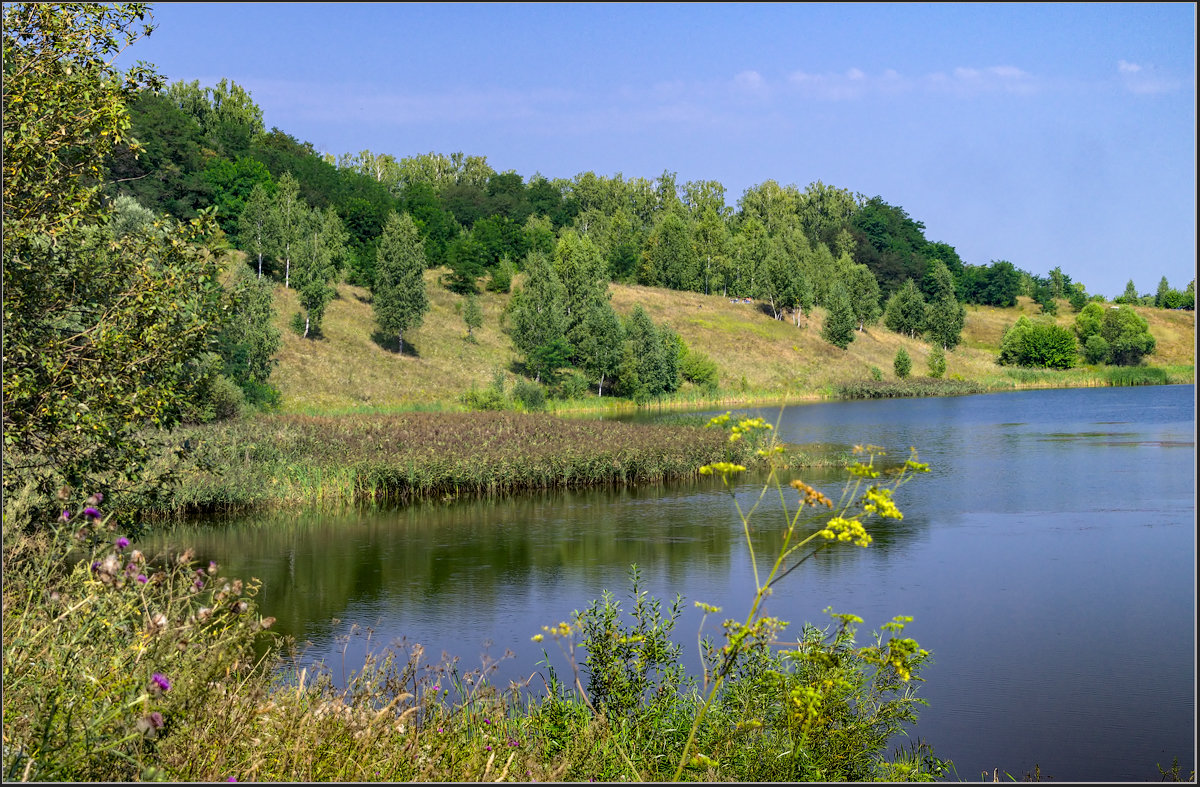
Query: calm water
(1048, 561)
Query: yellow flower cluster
(724, 468)
(746, 426)
(563, 629)
(879, 501)
(843, 529)
(811, 496)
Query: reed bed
(397, 458)
(891, 389)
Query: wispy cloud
(1144, 79)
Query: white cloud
(1144, 80)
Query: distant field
(346, 370)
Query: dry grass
(348, 371)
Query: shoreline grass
(327, 461)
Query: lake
(1048, 561)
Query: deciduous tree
(398, 299)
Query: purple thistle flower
(122, 542)
(142, 578)
(99, 497)
(160, 680)
(93, 513)
(66, 516)
(95, 565)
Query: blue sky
(1043, 134)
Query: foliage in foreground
(120, 667)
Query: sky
(1042, 134)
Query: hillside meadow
(350, 368)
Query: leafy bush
(571, 384)
(697, 368)
(1125, 332)
(876, 374)
(531, 395)
(902, 363)
(1040, 344)
(937, 362)
(489, 398)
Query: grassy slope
(348, 370)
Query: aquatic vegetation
(328, 460)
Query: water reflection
(1048, 560)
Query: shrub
(1026, 343)
(902, 363)
(571, 384)
(876, 374)
(531, 395)
(489, 398)
(937, 362)
(697, 368)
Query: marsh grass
(330, 461)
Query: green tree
(1129, 296)
(128, 216)
(249, 340)
(944, 321)
(467, 259)
(902, 363)
(863, 291)
(1128, 336)
(937, 362)
(161, 162)
(601, 338)
(255, 225)
(231, 183)
(1047, 345)
(839, 322)
(779, 280)
(472, 315)
(1002, 285)
(656, 354)
(398, 299)
(287, 224)
(320, 251)
(712, 246)
(536, 319)
(1161, 294)
(905, 310)
(1076, 296)
(669, 258)
(1096, 349)
(103, 336)
(1089, 321)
